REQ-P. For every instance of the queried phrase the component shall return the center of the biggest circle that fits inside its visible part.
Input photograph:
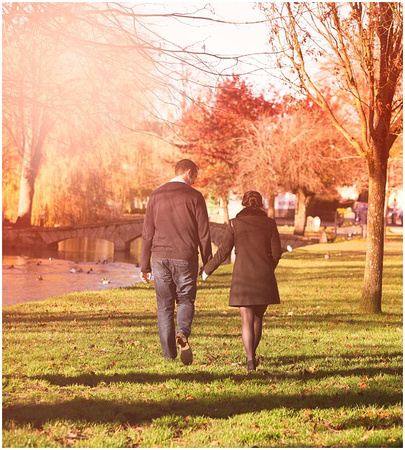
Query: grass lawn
(85, 370)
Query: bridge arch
(121, 234)
(85, 244)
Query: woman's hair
(252, 199)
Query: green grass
(85, 370)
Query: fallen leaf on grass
(343, 386)
(366, 435)
(135, 443)
(71, 435)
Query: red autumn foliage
(214, 133)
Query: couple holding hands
(176, 225)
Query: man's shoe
(186, 354)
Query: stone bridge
(121, 234)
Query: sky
(219, 37)
(243, 38)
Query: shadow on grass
(17, 317)
(129, 319)
(213, 405)
(262, 375)
(301, 318)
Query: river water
(32, 275)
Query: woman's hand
(145, 277)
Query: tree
(364, 42)
(299, 152)
(214, 133)
(62, 73)
(86, 64)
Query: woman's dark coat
(258, 251)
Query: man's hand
(145, 277)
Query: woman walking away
(254, 286)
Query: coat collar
(251, 212)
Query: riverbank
(27, 279)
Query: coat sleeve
(204, 235)
(275, 244)
(148, 231)
(223, 252)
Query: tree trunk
(300, 213)
(32, 155)
(271, 212)
(27, 189)
(372, 287)
(225, 209)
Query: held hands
(145, 277)
(202, 274)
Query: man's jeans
(175, 280)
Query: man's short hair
(184, 165)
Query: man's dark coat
(176, 225)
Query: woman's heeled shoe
(251, 365)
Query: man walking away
(175, 226)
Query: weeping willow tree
(70, 77)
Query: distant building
(284, 205)
(395, 183)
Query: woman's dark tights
(252, 319)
